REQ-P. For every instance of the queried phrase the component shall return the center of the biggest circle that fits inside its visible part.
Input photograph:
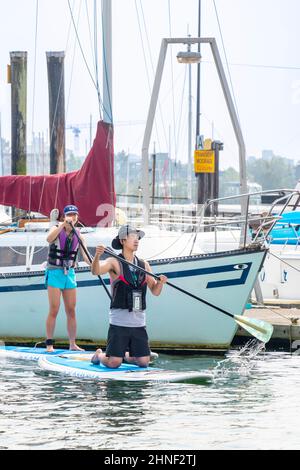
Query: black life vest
(128, 282)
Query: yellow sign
(204, 161)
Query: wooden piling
(18, 68)
(56, 87)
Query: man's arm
(155, 285)
(102, 267)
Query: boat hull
(174, 320)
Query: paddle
(257, 328)
(89, 257)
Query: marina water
(252, 403)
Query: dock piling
(56, 87)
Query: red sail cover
(91, 188)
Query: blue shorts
(57, 278)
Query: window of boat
(12, 256)
(16, 255)
(91, 250)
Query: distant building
(251, 159)
(232, 188)
(297, 170)
(267, 155)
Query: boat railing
(253, 230)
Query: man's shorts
(122, 338)
(57, 278)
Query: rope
(29, 202)
(170, 246)
(41, 197)
(274, 311)
(24, 254)
(56, 195)
(285, 262)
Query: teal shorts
(57, 278)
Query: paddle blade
(257, 328)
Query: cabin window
(16, 255)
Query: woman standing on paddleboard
(127, 330)
(60, 274)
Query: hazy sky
(260, 36)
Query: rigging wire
(83, 54)
(60, 82)
(265, 66)
(227, 63)
(146, 67)
(181, 107)
(73, 61)
(153, 71)
(90, 34)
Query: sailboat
(224, 280)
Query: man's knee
(113, 362)
(142, 361)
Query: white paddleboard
(33, 354)
(126, 372)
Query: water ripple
(251, 404)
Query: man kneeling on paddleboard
(127, 329)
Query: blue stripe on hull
(171, 275)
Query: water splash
(240, 363)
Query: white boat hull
(174, 320)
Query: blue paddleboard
(33, 354)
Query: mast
(202, 178)
(107, 60)
(198, 78)
(107, 90)
(190, 165)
